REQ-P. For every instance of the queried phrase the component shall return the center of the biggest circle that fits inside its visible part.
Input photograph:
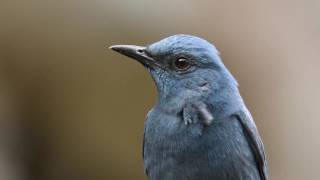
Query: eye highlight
(181, 64)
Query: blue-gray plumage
(200, 128)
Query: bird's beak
(135, 52)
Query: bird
(199, 127)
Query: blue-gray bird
(199, 128)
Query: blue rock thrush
(200, 128)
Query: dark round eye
(181, 64)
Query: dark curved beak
(135, 52)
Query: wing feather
(255, 141)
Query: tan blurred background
(72, 109)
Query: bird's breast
(173, 151)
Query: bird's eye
(181, 64)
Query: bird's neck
(221, 103)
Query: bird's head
(182, 66)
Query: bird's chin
(152, 72)
(149, 69)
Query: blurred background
(72, 109)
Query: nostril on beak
(140, 51)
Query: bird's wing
(143, 142)
(255, 141)
(145, 169)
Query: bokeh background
(72, 109)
